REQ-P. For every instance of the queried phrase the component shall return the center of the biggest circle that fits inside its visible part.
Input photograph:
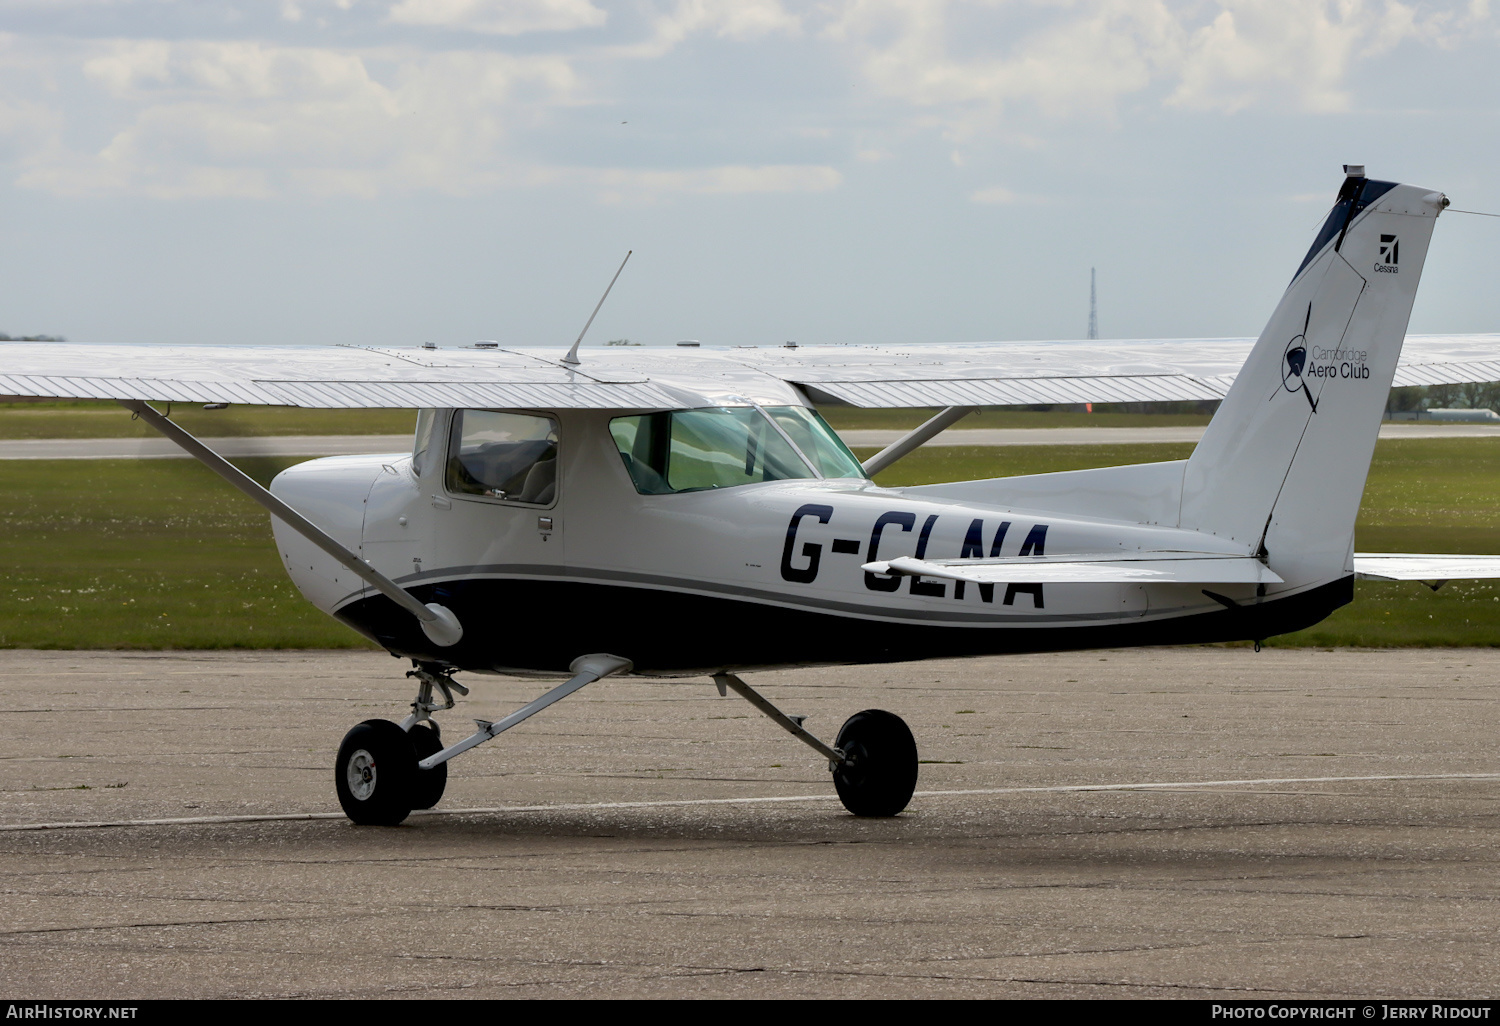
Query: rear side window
(510, 456)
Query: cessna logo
(1390, 254)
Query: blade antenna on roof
(572, 357)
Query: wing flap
(1141, 568)
(1133, 388)
(1422, 566)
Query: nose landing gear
(385, 770)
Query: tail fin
(1281, 468)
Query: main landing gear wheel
(376, 774)
(427, 790)
(879, 771)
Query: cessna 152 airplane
(686, 512)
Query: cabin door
(496, 513)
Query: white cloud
(246, 119)
(629, 185)
(936, 53)
(995, 195)
(251, 120)
(738, 20)
(254, 117)
(1285, 51)
(968, 63)
(501, 17)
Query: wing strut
(438, 622)
(906, 443)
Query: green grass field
(145, 554)
(158, 554)
(85, 419)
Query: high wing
(347, 377)
(1139, 568)
(1022, 373)
(978, 374)
(1417, 566)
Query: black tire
(879, 773)
(427, 789)
(375, 774)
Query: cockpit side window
(694, 450)
(511, 456)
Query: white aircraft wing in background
(1416, 566)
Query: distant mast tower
(1093, 306)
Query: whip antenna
(572, 357)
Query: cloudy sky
(402, 171)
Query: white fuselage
(758, 574)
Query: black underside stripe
(542, 626)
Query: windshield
(817, 441)
(691, 450)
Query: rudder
(1282, 465)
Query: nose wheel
(375, 774)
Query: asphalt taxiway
(1202, 822)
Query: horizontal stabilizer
(1419, 566)
(1140, 568)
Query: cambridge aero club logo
(1294, 362)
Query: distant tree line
(30, 338)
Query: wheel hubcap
(361, 774)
